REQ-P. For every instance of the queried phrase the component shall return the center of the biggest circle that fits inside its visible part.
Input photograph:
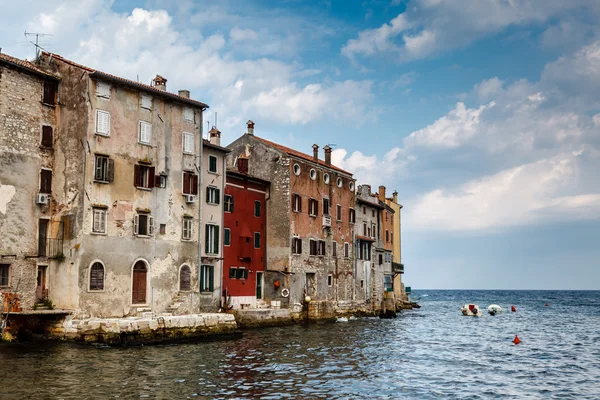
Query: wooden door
(139, 283)
(41, 291)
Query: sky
(484, 115)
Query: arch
(185, 278)
(139, 282)
(96, 276)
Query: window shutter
(135, 224)
(186, 183)
(206, 238)
(216, 237)
(218, 195)
(211, 286)
(95, 223)
(110, 173)
(157, 181)
(194, 185)
(150, 225)
(227, 237)
(151, 173)
(47, 136)
(137, 175)
(102, 215)
(98, 169)
(207, 194)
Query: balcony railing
(50, 247)
(397, 268)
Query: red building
(244, 238)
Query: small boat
(494, 309)
(471, 310)
(342, 319)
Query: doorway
(259, 285)
(138, 293)
(41, 289)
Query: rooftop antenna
(207, 126)
(216, 120)
(37, 40)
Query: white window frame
(145, 132)
(330, 280)
(297, 206)
(188, 140)
(106, 115)
(188, 114)
(351, 186)
(187, 228)
(228, 206)
(326, 178)
(313, 174)
(211, 197)
(149, 225)
(211, 239)
(99, 220)
(297, 169)
(146, 101)
(340, 182)
(295, 246)
(103, 89)
(346, 250)
(313, 207)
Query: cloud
(516, 196)
(405, 79)
(433, 26)
(488, 88)
(237, 34)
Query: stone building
(386, 246)
(397, 265)
(127, 201)
(310, 221)
(31, 154)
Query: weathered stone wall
(22, 116)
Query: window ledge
(142, 236)
(48, 104)
(144, 188)
(145, 144)
(96, 291)
(206, 293)
(102, 182)
(188, 154)
(102, 134)
(99, 233)
(212, 204)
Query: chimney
(242, 164)
(382, 193)
(327, 151)
(183, 93)
(395, 198)
(316, 153)
(160, 83)
(250, 125)
(215, 136)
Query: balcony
(397, 268)
(327, 221)
(50, 247)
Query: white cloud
(488, 88)
(237, 34)
(405, 79)
(516, 196)
(373, 41)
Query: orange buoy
(546, 304)
(513, 309)
(516, 340)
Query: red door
(139, 283)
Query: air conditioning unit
(327, 220)
(190, 198)
(42, 198)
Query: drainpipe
(199, 167)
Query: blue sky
(483, 114)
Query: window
(97, 276)
(104, 169)
(188, 114)
(351, 186)
(314, 250)
(352, 216)
(364, 229)
(47, 136)
(373, 213)
(213, 195)
(227, 237)
(257, 208)
(241, 273)
(188, 143)
(296, 245)
(326, 178)
(339, 212)
(185, 278)
(392, 237)
(143, 225)
(102, 123)
(369, 231)
(103, 90)
(161, 181)
(228, 203)
(313, 207)
(325, 206)
(50, 89)
(313, 174)
(364, 210)
(186, 233)
(296, 203)
(211, 239)
(340, 182)
(242, 164)
(381, 259)
(321, 248)
(207, 276)
(232, 272)
(46, 181)
(145, 134)
(346, 250)
(190, 183)
(257, 240)
(162, 229)
(146, 101)
(387, 235)
(330, 280)
(99, 220)
(143, 176)
(212, 164)
(388, 283)
(334, 249)
(297, 169)
(4, 274)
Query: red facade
(245, 251)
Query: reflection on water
(433, 352)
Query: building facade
(397, 265)
(310, 223)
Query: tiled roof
(299, 154)
(207, 143)
(24, 64)
(138, 85)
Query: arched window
(97, 276)
(185, 278)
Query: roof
(25, 65)
(142, 86)
(207, 143)
(369, 203)
(239, 175)
(299, 154)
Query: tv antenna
(37, 40)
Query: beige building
(397, 265)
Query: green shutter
(207, 193)
(206, 238)
(216, 232)
(218, 199)
(227, 238)
(211, 286)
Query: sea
(429, 353)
